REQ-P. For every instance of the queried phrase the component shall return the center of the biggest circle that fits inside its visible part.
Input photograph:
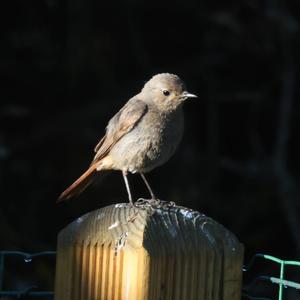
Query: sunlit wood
(167, 253)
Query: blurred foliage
(68, 66)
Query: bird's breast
(151, 143)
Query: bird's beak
(186, 95)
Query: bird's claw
(153, 203)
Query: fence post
(143, 253)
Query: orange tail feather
(80, 184)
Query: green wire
(281, 278)
(281, 282)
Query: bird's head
(167, 91)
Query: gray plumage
(143, 135)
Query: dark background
(68, 66)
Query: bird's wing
(122, 123)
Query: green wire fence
(31, 291)
(280, 281)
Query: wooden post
(155, 253)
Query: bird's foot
(147, 202)
(153, 203)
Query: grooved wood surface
(121, 252)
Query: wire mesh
(32, 290)
(280, 281)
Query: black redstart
(143, 135)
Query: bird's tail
(80, 184)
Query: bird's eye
(166, 92)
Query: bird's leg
(127, 186)
(148, 186)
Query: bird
(143, 135)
